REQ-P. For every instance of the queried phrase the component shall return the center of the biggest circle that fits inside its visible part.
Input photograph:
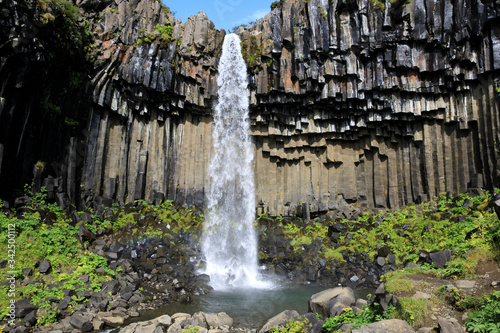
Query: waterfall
(229, 241)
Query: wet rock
(281, 269)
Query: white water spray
(229, 240)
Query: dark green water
(251, 308)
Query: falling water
(229, 241)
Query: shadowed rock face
(380, 104)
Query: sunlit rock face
(351, 102)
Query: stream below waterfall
(249, 307)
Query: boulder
(440, 258)
(386, 326)
(44, 266)
(160, 329)
(164, 320)
(64, 303)
(330, 302)
(84, 234)
(449, 325)
(24, 307)
(175, 328)
(315, 322)
(30, 319)
(113, 321)
(279, 320)
(219, 320)
(22, 202)
(81, 323)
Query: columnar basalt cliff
(352, 102)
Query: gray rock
(465, 284)
(421, 295)
(113, 321)
(175, 328)
(98, 324)
(391, 259)
(449, 325)
(22, 202)
(81, 322)
(218, 320)
(24, 307)
(440, 258)
(164, 320)
(331, 301)
(44, 266)
(279, 320)
(316, 324)
(380, 261)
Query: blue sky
(225, 14)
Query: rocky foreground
(328, 303)
(106, 267)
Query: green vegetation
(322, 12)
(45, 231)
(252, 53)
(293, 326)
(52, 239)
(486, 317)
(461, 224)
(236, 28)
(380, 4)
(191, 329)
(164, 31)
(465, 267)
(397, 282)
(276, 4)
(64, 18)
(40, 165)
(441, 224)
(70, 122)
(414, 311)
(368, 315)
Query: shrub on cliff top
(276, 4)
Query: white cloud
(258, 14)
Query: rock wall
(374, 103)
(352, 102)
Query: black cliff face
(352, 102)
